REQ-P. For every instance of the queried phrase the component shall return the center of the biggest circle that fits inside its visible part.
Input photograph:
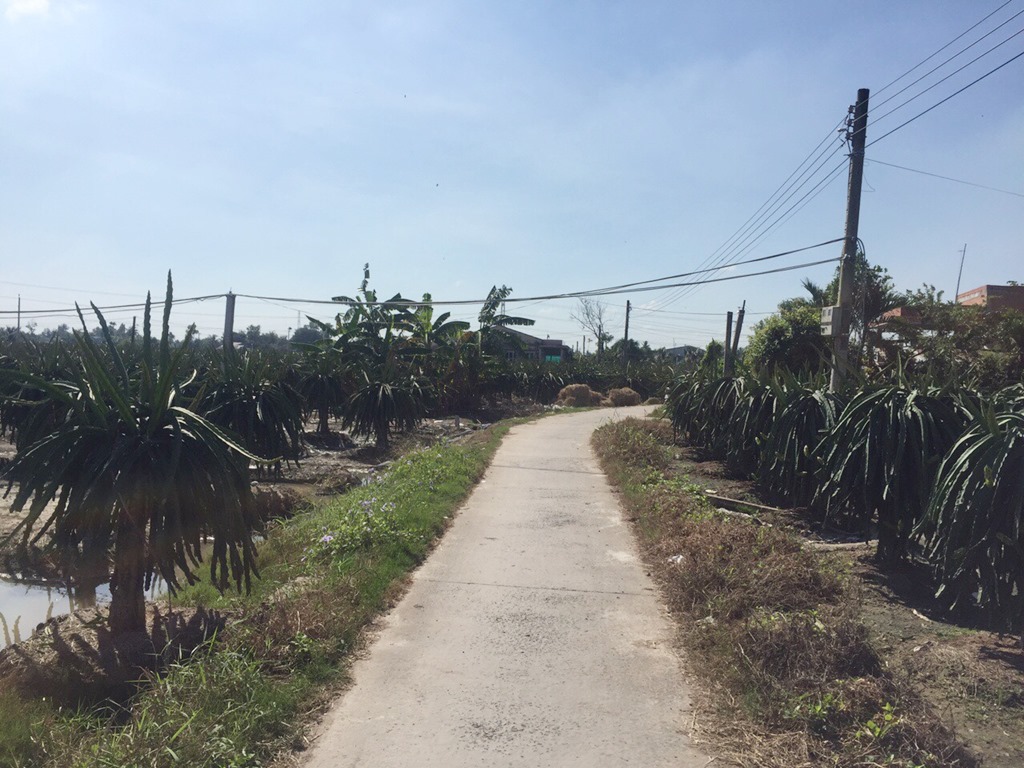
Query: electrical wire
(109, 308)
(944, 79)
(948, 178)
(677, 295)
(782, 219)
(702, 271)
(943, 101)
(788, 188)
(611, 291)
(940, 50)
(706, 314)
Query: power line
(613, 291)
(943, 101)
(779, 221)
(67, 290)
(782, 194)
(940, 50)
(788, 214)
(944, 79)
(714, 269)
(948, 178)
(110, 308)
(704, 314)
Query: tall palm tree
(128, 462)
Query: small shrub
(624, 397)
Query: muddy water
(24, 606)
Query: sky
(271, 149)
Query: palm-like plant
(881, 457)
(25, 411)
(788, 458)
(975, 521)
(248, 398)
(713, 411)
(129, 462)
(322, 379)
(748, 426)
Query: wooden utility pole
(841, 340)
(229, 324)
(625, 338)
(726, 359)
(736, 333)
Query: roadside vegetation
(135, 452)
(134, 456)
(240, 696)
(771, 628)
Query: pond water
(26, 604)
(23, 606)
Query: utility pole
(736, 333)
(625, 338)
(229, 323)
(19, 311)
(727, 360)
(841, 340)
(963, 255)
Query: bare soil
(972, 677)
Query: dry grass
(773, 628)
(578, 396)
(623, 397)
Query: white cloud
(17, 9)
(64, 11)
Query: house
(994, 297)
(524, 346)
(903, 315)
(684, 354)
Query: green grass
(240, 700)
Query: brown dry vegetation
(578, 396)
(800, 657)
(620, 398)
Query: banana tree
(441, 341)
(377, 342)
(130, 462)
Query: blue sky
(272, 149)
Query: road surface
(531, 636)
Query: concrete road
(531, 637)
